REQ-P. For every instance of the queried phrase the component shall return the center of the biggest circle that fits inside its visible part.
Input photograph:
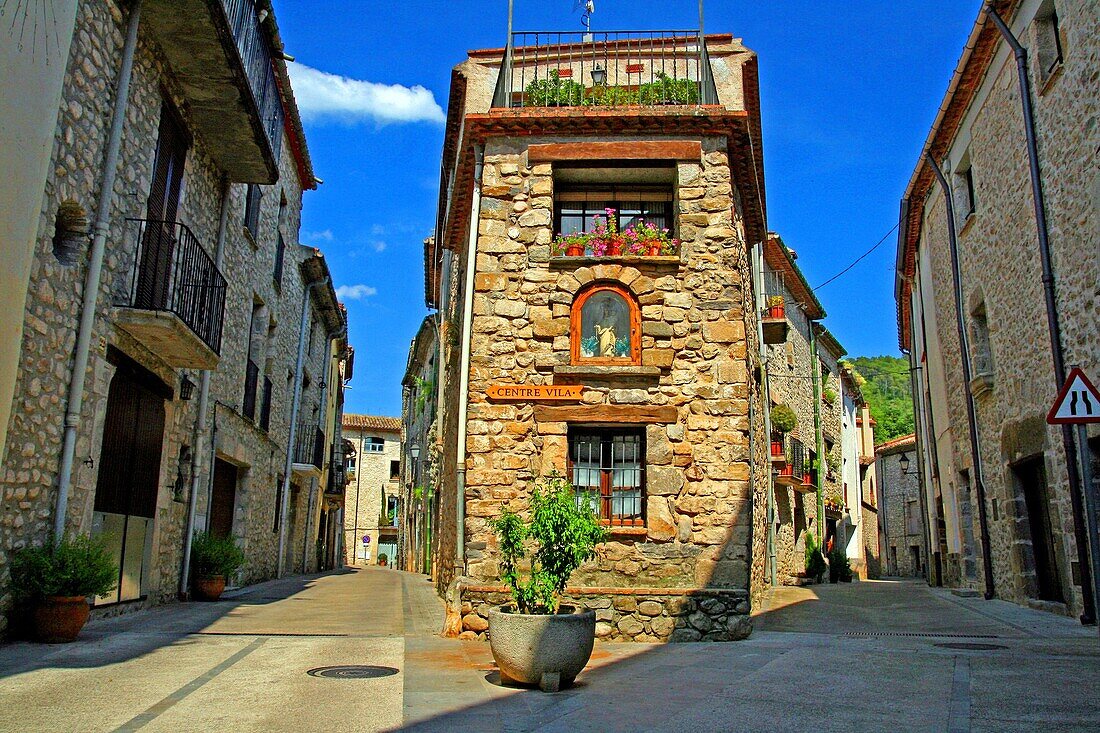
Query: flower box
(640, 239)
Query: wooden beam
(620, 150)
(666, 414)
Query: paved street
(819, 660)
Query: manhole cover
(971, 646)
(353, 672)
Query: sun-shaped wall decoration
(33, 25)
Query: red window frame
(607, 467)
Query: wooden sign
(534, 392)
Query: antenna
(588, 7)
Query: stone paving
(862, 657)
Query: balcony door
(129, 473)
(158, 242)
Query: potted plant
(536, 639)
(815, 563)
(55, 581)
(833, 462)
(213, 559)
(775, 307)
(839, 568)
(783, 419)
(383, 560)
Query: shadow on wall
(19, 657)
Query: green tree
(886, 389)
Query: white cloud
(378, 246)
(322, 95)
(355, 292)
(322, 236)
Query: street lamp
(599, 75)
(903, 461)
(414, 451)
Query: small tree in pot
(213, 559)
(538, 640)
(56, 580)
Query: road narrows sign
(1078, 401)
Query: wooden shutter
(158, 242)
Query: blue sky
(848, 93)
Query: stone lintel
(606, 372)
(618, 150)
(607, 414)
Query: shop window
(607, 471)
(605, 326)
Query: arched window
(605, 326)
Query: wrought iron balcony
(221, 55)
(176, 298)
(566, 69)
(793, 466)
(309, 446)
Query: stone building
(905, 549)
(656, 416)
(1003, 488)
(154, 393)
(421, 477)
(373, 490)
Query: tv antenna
(587, 7)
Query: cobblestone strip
(959, 720)
(140, 721)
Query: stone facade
(904, 546)
(29, 479)
(372, 480)
(420, 500)
(1023, 461)
(692, 396)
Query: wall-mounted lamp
(903, 461)
(414, 451)
(187, 388)
(599, 75)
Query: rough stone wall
(1001, 273)
(897, 490)
(446, 533)
(50, 320)
(693, 325)
(363, 495)
(651, 615)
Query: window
(373, 445)
(278, 504)
(576, 210)
(1048, 40)
(395, 470)
(605, 326)
(979, 343)
(965, 200)
(349, 461)
(606, 468)
(280, 254)
(252, 210)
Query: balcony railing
(255, 50)
(791, 462)
(173, 273)
(309, 446)
(565, 69)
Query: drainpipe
(95, 269)
(303, 329)
(758, 289)
(464, 365)
(819, 439)
(200, 421)
(1078, 487)
(964, 346)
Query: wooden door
(159, 240)
(223, 498)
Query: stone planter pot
(549, 651)
(209, 588)
(59, 619)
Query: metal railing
(609, 68)
(797, 463)
(309, 446)
(173, 273)
(254, 47)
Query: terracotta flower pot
(209, 588)
(777, 447)
(59, 619)
(653, 249)
(614, 248)
(807, 479)
(776, 311)
(574, 250)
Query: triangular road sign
(1077, 402)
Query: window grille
(607, 471)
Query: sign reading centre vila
(534, 392)
(1077, 402)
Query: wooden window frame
(635, 316)
(607, 435)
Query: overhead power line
(857, 259)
